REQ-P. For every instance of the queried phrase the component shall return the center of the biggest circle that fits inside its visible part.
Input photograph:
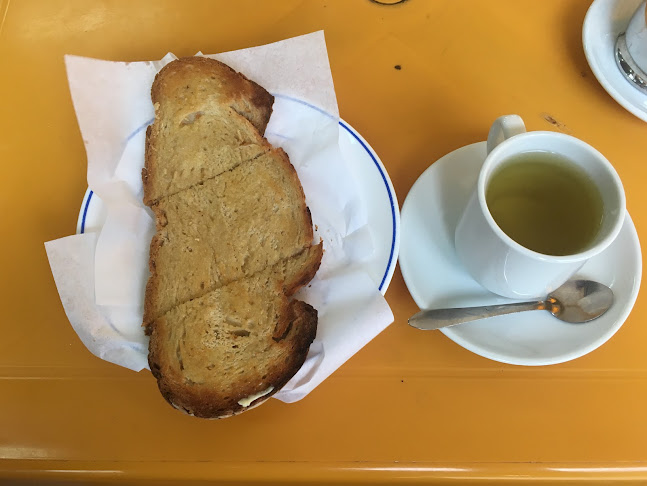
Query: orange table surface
(410, 406)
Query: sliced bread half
(233, 243)
(233, 348)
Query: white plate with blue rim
(374, 187)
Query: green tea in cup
(545, 202)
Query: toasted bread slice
(208, 119)
(236, 346)
(233, 242)
(224, 229)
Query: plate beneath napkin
(101, 275)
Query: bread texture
(233, 243)
(224, 229)
(208, 119)
(213, 353)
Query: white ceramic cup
(499, 263)
(631, 49)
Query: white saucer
(435, 277)
(374, 186)
(605, 20)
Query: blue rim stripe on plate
(348, 129)
(388, 191)
(87, 202)
(144, 126)
(377, 165)
(85, 211)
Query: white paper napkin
(101, 276)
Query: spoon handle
(437, 318)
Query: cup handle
(503, 128)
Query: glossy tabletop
(417, 80)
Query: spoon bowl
(577, 301)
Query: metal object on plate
(576, 301)
(628, 66)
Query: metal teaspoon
(576, 301)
